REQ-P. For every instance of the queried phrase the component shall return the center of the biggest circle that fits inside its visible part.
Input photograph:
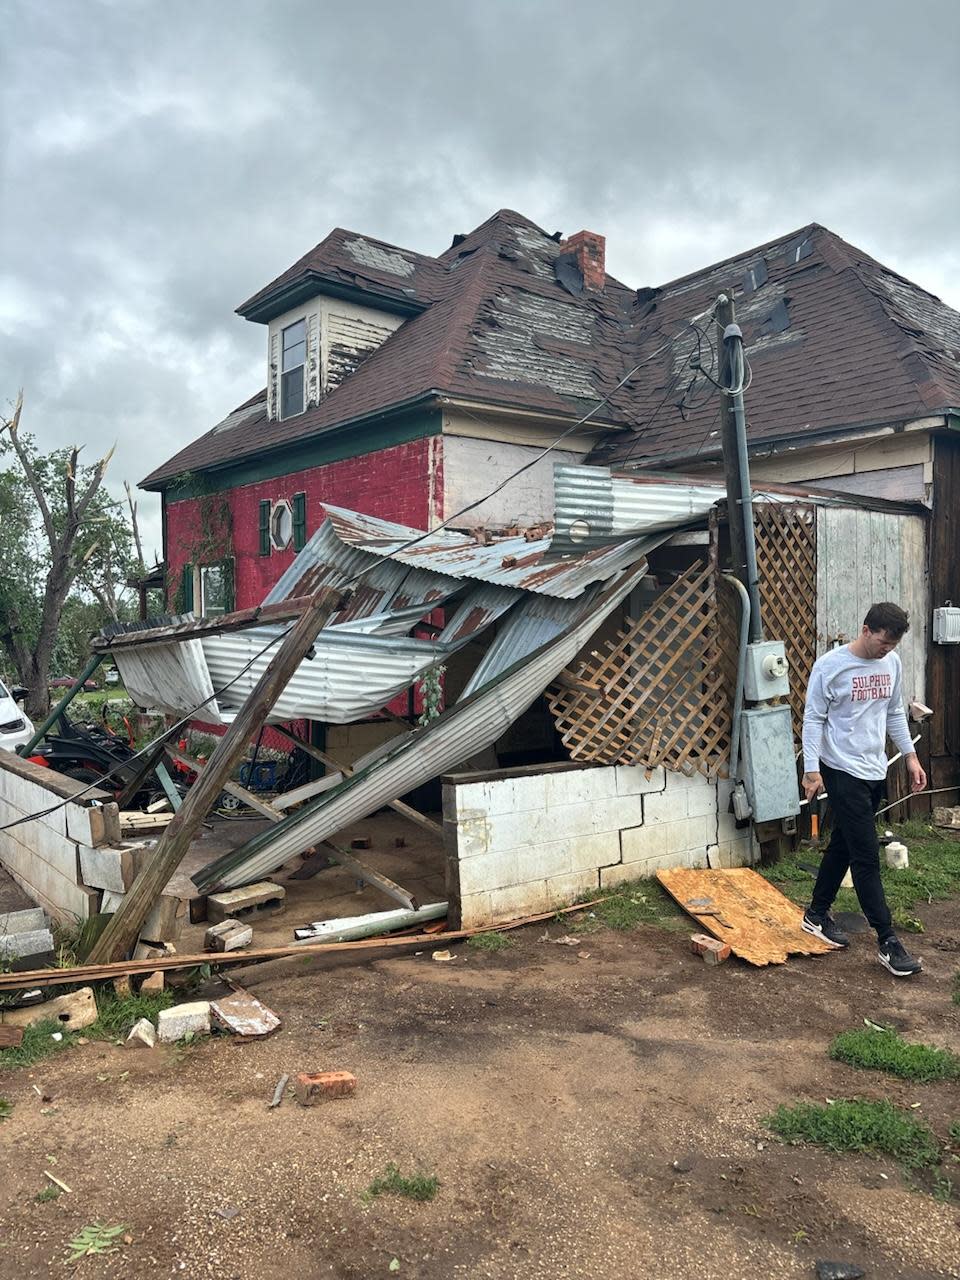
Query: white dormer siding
(339, 336)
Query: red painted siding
(403, 483)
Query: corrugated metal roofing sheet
(508, 562)
(594, 507)
(423, 753)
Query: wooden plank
(371, 877)
(10, 1037)
(120, 935)
(102, 972)
(738, 905)
(230, 786)
(287, 799)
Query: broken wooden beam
(375, 878)
(120, 935)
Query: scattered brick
(361, 842)
(142, 1035)
(323, 1086)
(152, 985)
(712, 950)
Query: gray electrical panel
(768, 764)
(766, 673)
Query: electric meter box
(767, 674)
(769, 767)
(946, 625)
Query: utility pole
(736, 467)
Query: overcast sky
(162, 160)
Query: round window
(281, 525)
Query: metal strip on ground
(739, 906)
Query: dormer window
(293, 362)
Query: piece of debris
(442, 956)
(361, 842)
(399, 842)
(263, 896)
(182, 1020)
(350, 928)
(57, 1183)
(568, 940)
(943, 816)
(711, 950)
(142, 1035)
(244, 1015)
(26, 946)
(323, 1086)
(152, 985)
(838, 1271)
(10, 1037)
(227, 1211)
(278, 1092)
(228, 935)
(744, 910)
(583, 955)
(122, 986)
(73, 1011)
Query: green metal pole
(62, 705)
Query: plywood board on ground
(745, 910)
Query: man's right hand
(812, 785)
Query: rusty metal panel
(508, 562)
(743, 909)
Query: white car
(15, 726)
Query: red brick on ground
(323, 1086)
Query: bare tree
(69, 505)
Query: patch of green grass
(954, 1131)
(117, 1014)
(37, 1043)
(933, 875)
(875, 1128)
(886, 1051)
(490, 941)
(47, 1194)
(392, 1182)
(6, 1108)
(632, 904)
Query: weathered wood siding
(864, 557)
(944, 668)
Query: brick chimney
(590, 252)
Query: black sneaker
(895, 957)
(825, 928)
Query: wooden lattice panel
(660, 691)
(786, 538)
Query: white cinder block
(727, 828)
(677, 780)
(489, 871)
(502, 795)
(44, 843)
(666, 806)
(698, 833)
(734, 853)
(576, 786)
(639, 843)
(475, 910)
(640, 870)
(561, 890)
(569, 857)
(632, 780)
(473, 834)
(702, 799)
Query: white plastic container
(896, 855)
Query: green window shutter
(265, 506)
(299, 521)
(185, 602)
(229, 586)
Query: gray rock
(142, 1035)
(184, 1019)
(838, 1271)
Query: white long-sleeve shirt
(852, 705)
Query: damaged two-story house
(415, 388)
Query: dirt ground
(591, 1111)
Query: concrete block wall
(64, 858)
(518, 843)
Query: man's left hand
(918, 779)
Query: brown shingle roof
(834, 339)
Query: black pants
(853, 845)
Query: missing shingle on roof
(755, 275)
(372, 255)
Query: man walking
(854, 700)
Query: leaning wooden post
(122, 931)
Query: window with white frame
(281, 525)
(214, 590)
(293, 357)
